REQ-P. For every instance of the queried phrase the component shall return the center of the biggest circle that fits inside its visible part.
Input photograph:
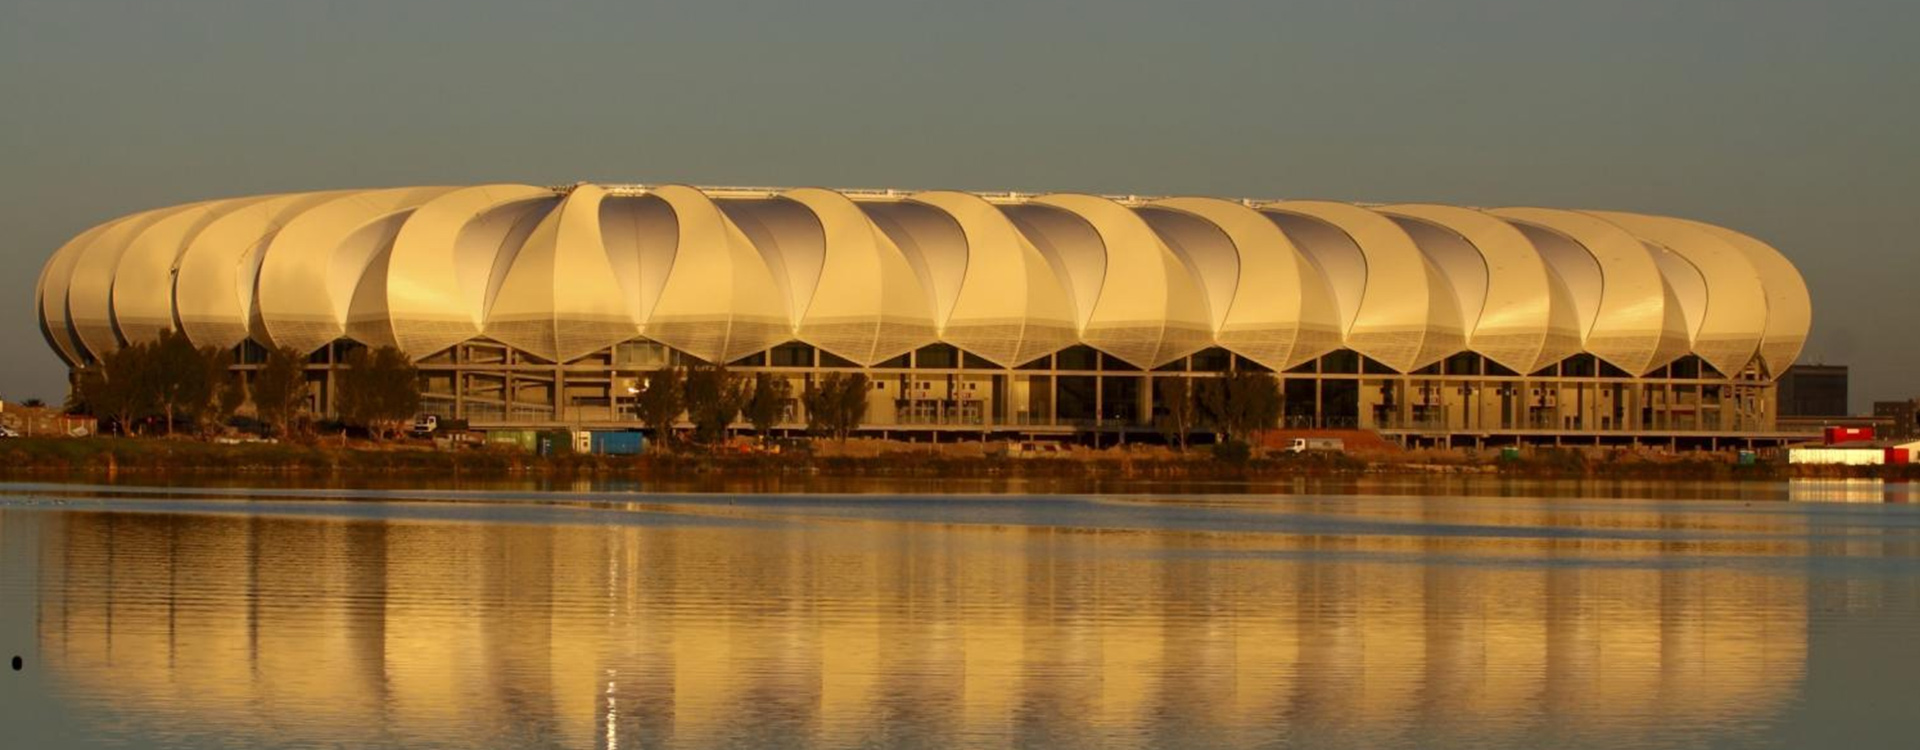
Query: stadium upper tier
(720, 273)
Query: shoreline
(30, 458)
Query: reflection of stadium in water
(823, 631)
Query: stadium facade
(974, 313)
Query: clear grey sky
(1794, 121)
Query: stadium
(974, 314)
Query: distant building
(1903, 417)
(1814, 391)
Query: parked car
(425, 425)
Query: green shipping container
(1510, 453)
(521, 439)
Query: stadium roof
(720, 273)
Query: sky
(1795, 122)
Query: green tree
(767, 402)
(1180, 413)
(182, 381)
(378, 390)
(837, 403)
(280, 388)
(121, 387)
(230, 391)
(1241, 403)
(660, 402)
(231, 396)
(714, 399)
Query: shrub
(1233, 451)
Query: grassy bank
(109, 457)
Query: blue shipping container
(619, 443)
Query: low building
(1814, 391)
(1902, 417)
(1856, 453)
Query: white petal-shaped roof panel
(559, 300)
(1638, 324)
(1149, 309)
(869, 306)
(1789, 308)
(314, 264)
(214, 289)
(791, 243)
(441, 268)
(1210, 256)
(55, 284)
(720, 301)
(143, 282)
(1277, 308)
(90, 287)
(1517, 312)
(1406, 316)
(1070, 246)
(1576, 270)
(1689, 286)
(1733, 318)
(933, 245)
(642, 237)
(1010, 306)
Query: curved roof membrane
(1732, 304)
(867, 305)
(1404, 312)
(440, 266)
(1267, 301)
(1147, 308)
(1516, 311)
(314, 265)
(721, 273)
(90, 286)
(720, 302)
(1637, 323)
(1010, 307)
(1789, 308)
(143, 282)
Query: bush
(1233, 452)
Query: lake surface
(1660, 616)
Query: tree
(121, 386)
(182, 382)
(378, 390)
(34, 403)
(280, 388)
(660, 402)
(767, 402)
(1176, 396)
(837, 403)
(232, 391)
(1240, 403)
(714, 399)
(167, 378)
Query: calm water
(1763, 616)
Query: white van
(1304, 445)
